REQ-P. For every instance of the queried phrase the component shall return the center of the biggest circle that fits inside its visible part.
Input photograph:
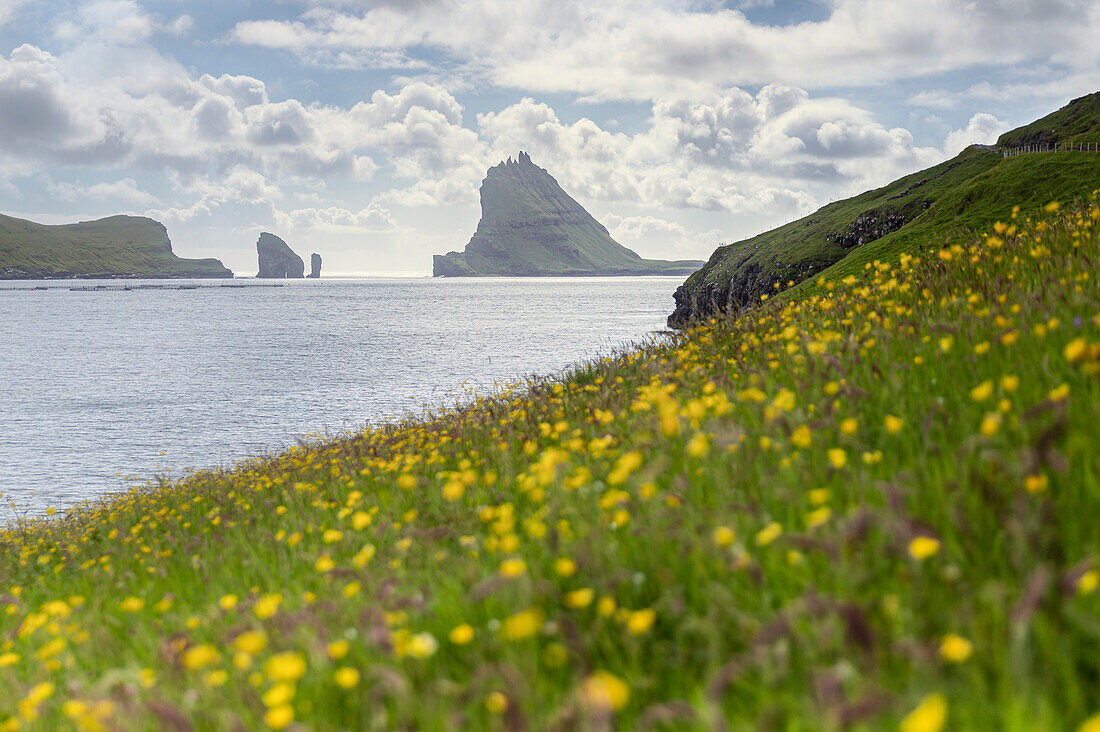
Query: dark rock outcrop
(530, 226)
(314, 266)
(277, 260)
(870, 226)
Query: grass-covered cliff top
(874, 505)
(117, 246)
(948, 199)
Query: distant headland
(113, 247)
(531, 227)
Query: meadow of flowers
(870, 503)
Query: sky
(362, 129)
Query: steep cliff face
(969, 191)
(277, 260)
(314, 266)
(530, 226)
(117, 246)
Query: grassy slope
(800, 249)
(117, 245)
(1028, 181)
(1077, 122)
(837, 510)
(965, 192)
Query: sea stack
(531, 227)
(314, 266)
(277, 260)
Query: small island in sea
(112, 247)
(278, 261)
(531, 227)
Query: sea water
(99, 389)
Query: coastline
(592, 547)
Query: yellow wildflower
(279, 694)
(1036, 483)
(991, 423)
(513, 567)
(929, 716)
(279, 717)
(267, 605)
(723, 536)
(287, 666)
(579, 598)
(346, 677)
(838, 458)
(1088, 582)
(1075, 349)
(923, 547)
(768, 534)
(460, 635)
(955, 648)
(422, 645)
(565, 567)
(604, 692)
(496, 702)
(523, 624)
(698, 445)
(802, 437)
(982, 391)
(453, 490)
(196, 657)
(640, 621)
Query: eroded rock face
(277, 260)
(314, 266)
(530, 226)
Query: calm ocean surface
(97, 386)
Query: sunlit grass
(875, 504)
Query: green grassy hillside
(1078, 121)
(965, 192)
(117, 246)
(871, 506)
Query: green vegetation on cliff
(530, 226)
(961, 194)
(117, 246)
(869, 505)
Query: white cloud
(372, 219)
(125, 190)
(728, 150)
(110, 21)
(181, 26)
(983, 129)
(644, 48)
(8, 10)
